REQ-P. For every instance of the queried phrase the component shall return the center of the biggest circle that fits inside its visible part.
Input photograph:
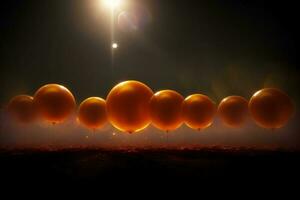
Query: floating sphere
(92, 113)
(165, 110)
(233, 111)
(127, 106)
(271, 108)
(21, 108)
(54, 103)
(198, 111)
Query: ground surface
(89, 165)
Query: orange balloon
(233, 111)
(198, 111)
(54, 103)
(92, 112)
(127, 106)
(165, 110)
(271, 108)
(21, 108)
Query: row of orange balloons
(131, 106)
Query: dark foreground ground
(216, 165)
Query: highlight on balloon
(132, 106)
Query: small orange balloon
(92, 113)
(198, 111)
(21, 108)
(165, 110)
(54, 103)
(271, 108)
(127, 106)
(233, 111)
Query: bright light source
(112, 3)
(114, 45)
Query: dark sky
(215, 47)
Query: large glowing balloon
(127, 106)
(92, 113)
(54, 103)
(271, 108)
(198, 111)
(21, 108)
(165, 110)
(233, 111)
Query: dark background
(214, 47)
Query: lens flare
(112, 3)
(114, 45)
